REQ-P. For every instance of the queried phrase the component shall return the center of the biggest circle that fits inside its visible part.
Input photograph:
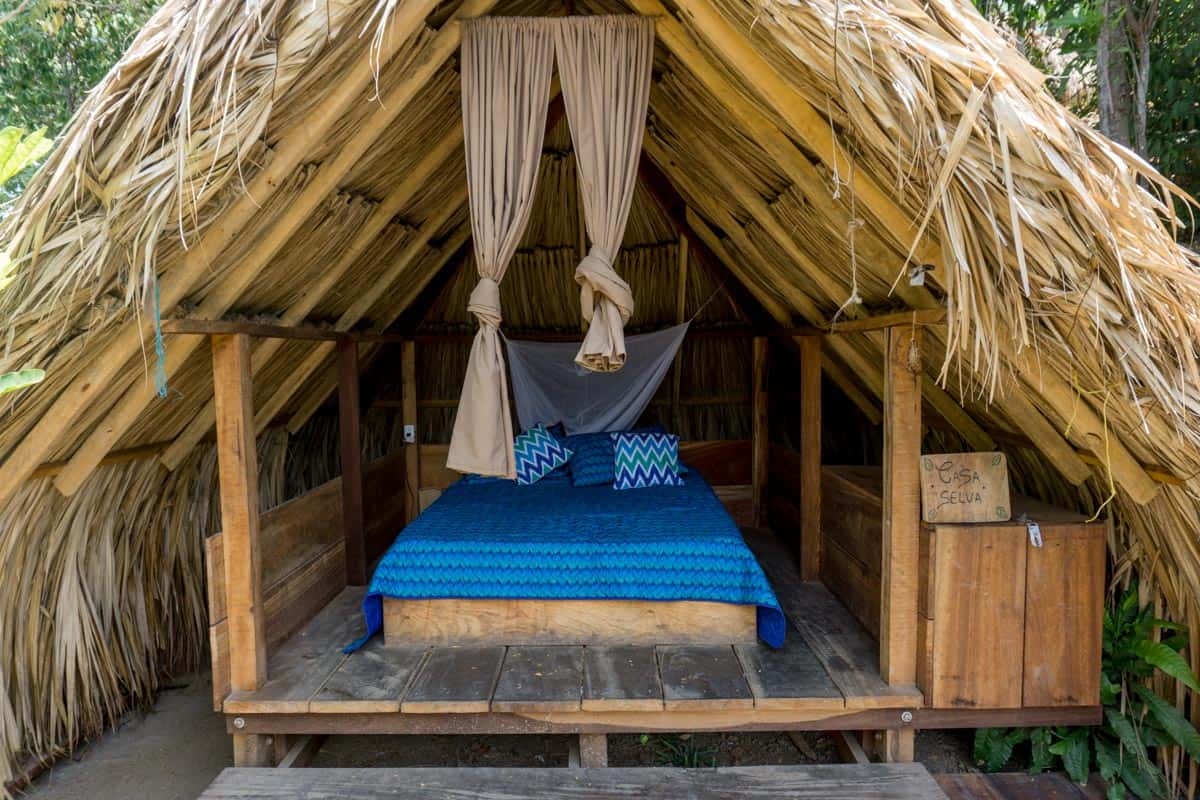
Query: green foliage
(680, 751)
(20, 149)
(52, 52)
(12, 381)
(1136, 720)
(1060, 36)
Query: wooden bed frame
(727, 465)
(445, 623)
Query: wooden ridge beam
(411, 254)
(179, 280)
(374, 225)
(225, 293)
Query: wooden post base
(898, 746)
(593, 750)
(253, 750)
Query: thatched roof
(303, 161)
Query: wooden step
(825, 781)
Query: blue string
(160, 350)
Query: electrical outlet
(410, 434)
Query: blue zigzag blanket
(492, 539)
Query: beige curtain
(506, 69)
(604, 65)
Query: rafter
(297, 377)
(449, 250)
(377, 222)
(131, 405)
(179, 281)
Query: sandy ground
(175, 750)
(171, 753)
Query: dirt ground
(175, 750)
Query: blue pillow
(591, 458)
(537, 454)
(645, 459)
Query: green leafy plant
(19, 150)
(1136, 720)
(680, 751)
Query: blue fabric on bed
(497, 540)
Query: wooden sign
(965, 487)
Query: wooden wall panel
(978, 616)
(303, 557)
(1064, 608)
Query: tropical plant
(1137, 721)
(680, 751)
(19, 150)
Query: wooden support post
(350, 438)
(412, 453)
(237, 461)
(593, 750)
(810, 457)
(899, 745)
(759, 435)
(901, 505)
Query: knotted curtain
(506, 69)
(604, 65)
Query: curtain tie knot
(596, 276)
(484, 302)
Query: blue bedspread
(492, 539)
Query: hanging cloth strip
(506, 69)
(549, 386)
(604, 64)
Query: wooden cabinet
(1001, 624)
(1006, 624)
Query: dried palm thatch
(242, 153)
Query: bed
(491, 562)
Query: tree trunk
(1112, 72)
(1140, 27)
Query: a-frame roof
(304, 161)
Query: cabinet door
(978, 616)
(1064, 608)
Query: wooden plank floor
(828, 665)
(825, 781)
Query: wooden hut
(250, 255)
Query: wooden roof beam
(179, 280)
(225, 293)
(448, 251)
(806, 123)
(763, 131)
(374, 225)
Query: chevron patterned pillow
(646, 459)
(538, 454)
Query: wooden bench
(825, 781)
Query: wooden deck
(826, 781)
(827, 669)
